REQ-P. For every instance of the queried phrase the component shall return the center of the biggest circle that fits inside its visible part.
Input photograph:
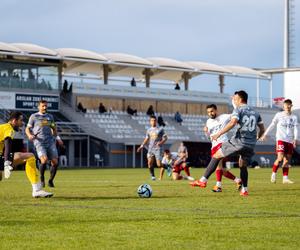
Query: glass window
(28, 76)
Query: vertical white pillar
(271, 91)
(257, 92)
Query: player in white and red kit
(214, 124)
(286, 136)
(177, 162)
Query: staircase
(84, 123)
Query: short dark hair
(14, 115)
(214, 106)
(42, 101)
(242, 94)
(167, 151)
(288, 101)
(152, 117)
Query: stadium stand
(30, 72)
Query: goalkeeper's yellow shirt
(6, 130)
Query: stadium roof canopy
(80, 54)
(8, 48)
(81, 61)
(209, 67)
(243, 71)
(32, 49)
(170, 69)
(119, 64)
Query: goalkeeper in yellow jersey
(8, 159)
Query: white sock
(203, 179)
(244, 189)
(219, 184)
(273, 174)
(237, 180)
(285, 177)
(36, 187)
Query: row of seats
(118, 126)
(100, 116)
(114, 125)
(114, 121)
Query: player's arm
(143, 143)
(261, 132)
(8, 149)
(163, 140)
(8, 157)
(230, 125)
(269, 129)
(295, 134)
(53, 126)
(54, 132)
(206, 132)
(28, 129)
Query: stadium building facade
(69, 77)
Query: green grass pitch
(99, 209)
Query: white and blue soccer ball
(144, 191)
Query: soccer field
(99, 209)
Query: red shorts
(177, 168)
(284, 147)
(215, 149)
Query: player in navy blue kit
(242, 143)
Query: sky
(224, 32)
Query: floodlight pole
(257, 92)
(271, 90)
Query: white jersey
(216, 125)
(286, 127)
(166, 161)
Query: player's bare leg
(187, 171)
(151, 167)
(176, 176)
(285, 170)
(162, 170)
(279, 159)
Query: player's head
(182, 144)
(212, 111)
(287, 105)
(42, 106)
(153, 121)
(167, 153)
(16, 119)
(240, 97)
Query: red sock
(187, 171)
(275, 168)
(285, 171)
(229, 175)
(219, 173)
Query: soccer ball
(144, 191)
